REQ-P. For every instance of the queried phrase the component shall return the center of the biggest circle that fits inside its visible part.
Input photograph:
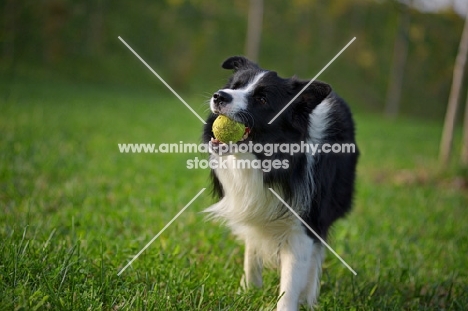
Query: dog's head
(254, 96)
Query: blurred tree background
(186, 40)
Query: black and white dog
(319, 187)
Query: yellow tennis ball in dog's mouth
(227, 130)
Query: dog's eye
(236, 85)
(262, 100)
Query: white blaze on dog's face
(229, 101)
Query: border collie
(319, 187)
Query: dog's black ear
(315, 93)
(306, 102)
(237, 63)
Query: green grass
(74, 211)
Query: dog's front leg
(296, 258)
(252, 267)
(313, 287)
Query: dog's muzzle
(221, 99)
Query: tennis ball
(227, 130)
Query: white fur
(318, 123)
(301, 269)
(319, 120)
(251, 211)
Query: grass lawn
(74, 211)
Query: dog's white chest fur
(250, 209)
(246, 199)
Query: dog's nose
(221, 98)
